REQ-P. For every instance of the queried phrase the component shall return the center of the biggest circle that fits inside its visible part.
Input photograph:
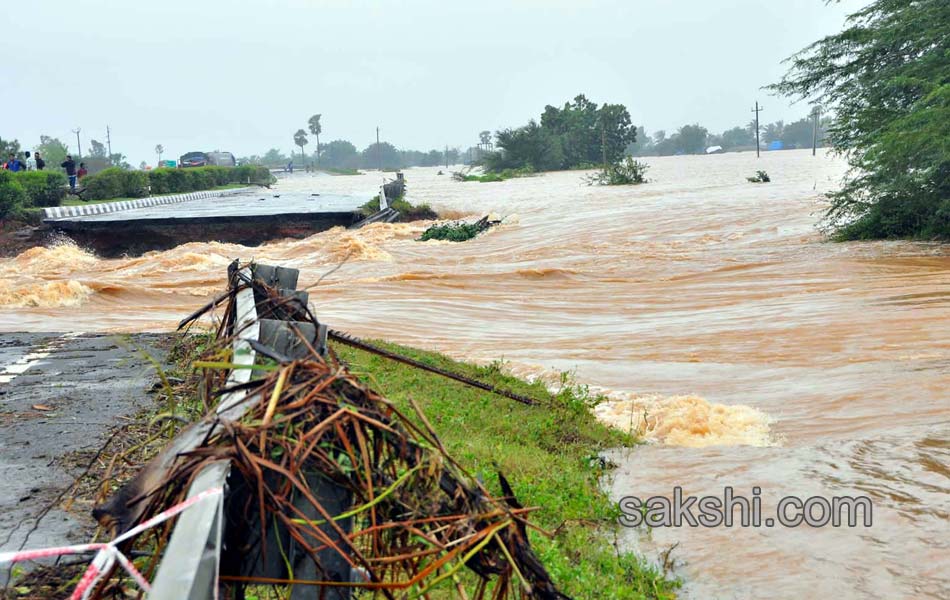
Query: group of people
(36, 163)
(28, 163)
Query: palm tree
(300, 138)
(315, 129)
(159, 149)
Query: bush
(627, 172)
(134, 184)
(120, 183)
(43, 188)
(12, 195)
(103, 185)
(159, 181)
(177, 181)
(760, 177)
(454, 232)
(251, 174)
(115, 182)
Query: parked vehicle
(193, 159)
(207, 159)
(221, 159)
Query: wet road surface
(61, 397)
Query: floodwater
(747, 350)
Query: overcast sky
(244, 76)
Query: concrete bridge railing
(63, 212)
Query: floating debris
(459, 231)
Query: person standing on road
(30, 162)
(70, 166)
(40, 163)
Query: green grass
(549, 454)
(339, 171)
(407, 211)
(495, 176)
(75, 201)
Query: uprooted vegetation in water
(458, 231)
(493, 176)
(626, 172)
(759, 177)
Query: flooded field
(710, 310)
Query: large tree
(300, 138)
(8, 147)
(384, 155)
(341, 154)
(580, 133)
(53, 151)
(315, 129)
(886, 79)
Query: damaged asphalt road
(61, 396)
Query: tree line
(579, 134)
(695, 139)
(343, 155)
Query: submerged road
(61, 397)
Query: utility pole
(109, 142)
(379, 160)
(446, 155)
(78, 145)
(757, 110)
(814, 134)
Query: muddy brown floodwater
(747, 350)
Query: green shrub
(43, 188)
(159, 181)
(251, 174)
(200, 179)
(629, 171)
(760, 177)
(119, 183)
(12, 194)
(103, 185)
(453, 232)
(177, 181)
(134, 184)
(222, 175)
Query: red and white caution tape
(107, 555)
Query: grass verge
(549, 454)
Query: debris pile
(332, 488)
(459, 231)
